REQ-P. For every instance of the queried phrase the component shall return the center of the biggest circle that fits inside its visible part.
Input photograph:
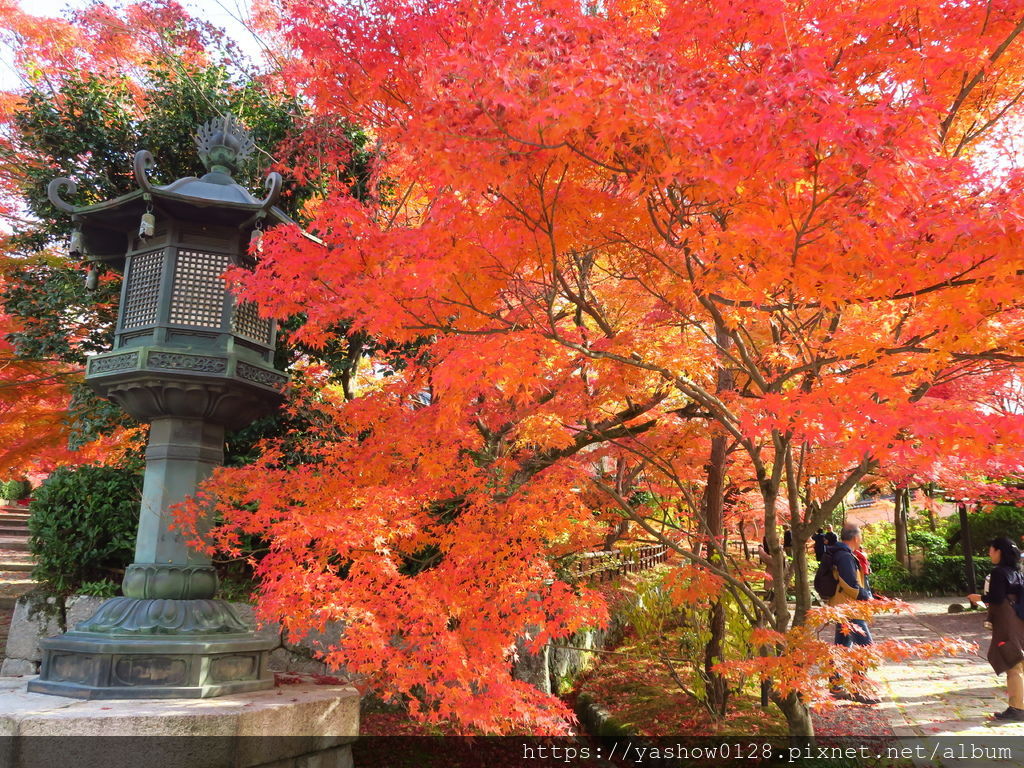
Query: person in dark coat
(1003, 588)
(851, 587)
(819, 544)
(830, 537)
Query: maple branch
(751, 368)
(682, 686)
(971, 134)
(990, 355)
(957, 281)
(612, 428)
(24, 382)
(630, 512)
(965, 91)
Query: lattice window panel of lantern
(198, 295)
(247, 322)
(142, 294)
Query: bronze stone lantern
(192, 361)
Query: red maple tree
(731, 247)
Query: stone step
(17, 561)
(19, 581)
(20, 532)
(7, 565)
(13, 543)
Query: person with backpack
(1004, 588)
(839, 580)
(819, 544)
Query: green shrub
(940, 573)
(1002, 520)
(649, 609)
(931, 543)
(82, 524)
(947, 573)
(104, 588)
(887, 575)
(13, 490)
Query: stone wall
(560, 662)
(31, 621)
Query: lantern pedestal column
(167, 637)
(182, 453)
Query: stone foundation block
(295, 726)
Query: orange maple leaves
(617, 228)
(618, 236)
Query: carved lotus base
(89, 665)
(149, 616)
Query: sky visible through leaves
(221, 13)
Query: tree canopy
(687, 265)
(750, 254)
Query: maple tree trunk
(799, 533)
(929, 491)
(714, 650)
(798, 718)
(778, 567)
(803, 583)
(714, 495)
(900, 524)
(968, 549)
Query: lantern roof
(214, 198)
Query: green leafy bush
(931, 543)
(887, 575)
(1002, 520)
(947, 573)
(940, 573)
(13, 490)
(103, 588)
(82, 524)
(649, 609)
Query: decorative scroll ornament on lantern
(224, 146)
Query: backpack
(1018, 607)
(825, 580)
(1016, 588)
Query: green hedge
(941, 573)
(1002, 520)
(82, 524)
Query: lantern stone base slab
(298, 726)
(90, 665)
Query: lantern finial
(224, 144)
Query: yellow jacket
(846, 591)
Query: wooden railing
(604, 566)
